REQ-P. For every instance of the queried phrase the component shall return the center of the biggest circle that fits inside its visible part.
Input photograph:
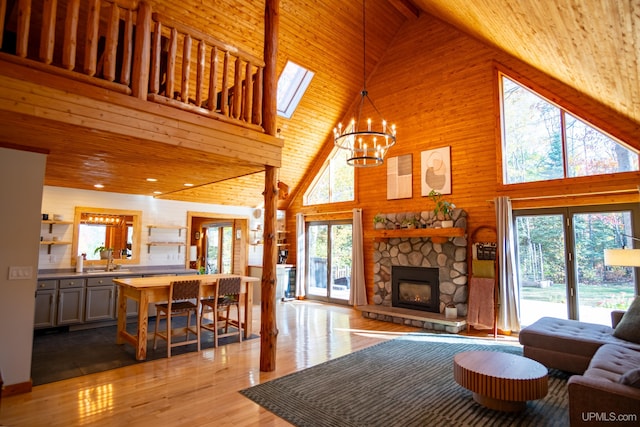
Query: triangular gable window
(334, 182)
(541, 141)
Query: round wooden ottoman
(500, 381)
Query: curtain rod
(595, 193)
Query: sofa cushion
(629, 327)
(631, 378)
(568, 336)
(611, 362)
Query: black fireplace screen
(415, 288)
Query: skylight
(292, 84)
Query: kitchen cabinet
(71, 303)
(46, 302)
(101, 299)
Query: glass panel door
(329, 261)
(542, 272)
(219, 249)
(601, 288)
(562, 274)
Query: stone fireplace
(448, 257)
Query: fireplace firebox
(416, 288)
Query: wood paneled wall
(439, 86)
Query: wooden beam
(268, 327)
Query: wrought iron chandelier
(367, 146)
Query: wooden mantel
(437, 235)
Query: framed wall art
(400, 177)
(435, 171)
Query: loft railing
(123, 46)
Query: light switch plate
(20, 272)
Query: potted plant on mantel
(379, 222)
(442, 209)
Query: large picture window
(541, 141)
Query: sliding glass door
(561, 268)
(328, 264)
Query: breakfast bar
(147, 290)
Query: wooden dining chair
(184, 300)
(227, 294)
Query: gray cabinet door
(45, 313)
(100, 303)
(70, 306)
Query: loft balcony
(115, 76)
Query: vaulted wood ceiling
(593, 46)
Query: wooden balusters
(127, 48)
(257, 98)
(140, 83)
(225, 85)
(48, 30)
(70, 35)
(213, 80)
(24, 18)
(248, 92)
(202, 50)
(186, 67)
(91, 48)
(111, 45)
(154, 86)
(171, 63)
(237, 88)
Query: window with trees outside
(541, 141)
(334, 183)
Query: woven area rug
(404, 382)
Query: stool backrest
(182, 290)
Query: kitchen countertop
(121, 272)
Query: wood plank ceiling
(593, 46)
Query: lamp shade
(622, 257)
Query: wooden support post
(268, 327)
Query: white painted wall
(21, 178)
(62, 201)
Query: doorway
(220, 243)
(328, 263)
(560, 261)
(219, 248)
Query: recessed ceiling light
(157, 192)
(188, 184)
(99, 186)
(151, 179)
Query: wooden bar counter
(147, 290)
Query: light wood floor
(200, 389)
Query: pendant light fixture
(367, 142)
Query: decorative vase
(447, 223)
(105, 254)
(450, 312)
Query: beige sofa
(606, 389)
(568, 345)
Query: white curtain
(358, 290)
(301, 259)
(509, 298)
